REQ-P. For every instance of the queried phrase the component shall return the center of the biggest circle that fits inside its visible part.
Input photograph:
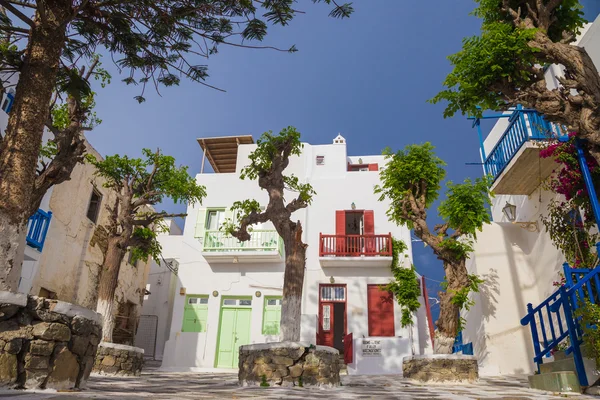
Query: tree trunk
(20, 147)
(448, 322)
(293, 283)
(109, 279)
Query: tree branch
(253, 218)
(7, 4)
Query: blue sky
(367, 77)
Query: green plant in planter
(300, 382)
(263, 382)
(590, 315)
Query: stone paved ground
(175, 386)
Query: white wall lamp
(510, 212)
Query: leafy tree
(51, 44)
(133, 223)
(267, 164)
(411, 181)
(504, 66)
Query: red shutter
(373, 167)
(348, 349)
(381, 311)
(340, 231)
(369, 229)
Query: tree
(504, 66)
(49, 44)
(267, 164)
(139, 185)
(411, 182)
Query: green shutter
(271, 317)
(194, 315)
(200, 223)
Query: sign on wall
(371, 348)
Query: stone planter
(46, 344)
(441, 368)
(289, 364)
(119, 359)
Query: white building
(229, 293)
(516, 258)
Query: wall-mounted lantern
(353, 206)
(510, 212)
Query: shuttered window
(195, 313)
(271, 316)
(381, 311)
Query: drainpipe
(589, 185)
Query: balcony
(355, 250)
(37, 228)
(515, 162)
(263, 246)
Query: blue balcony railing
(524, 125)
(37, 228)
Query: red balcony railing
(355, 245)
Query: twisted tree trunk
(448, 321)
(293, 283)
(20, 147)
(109, 279)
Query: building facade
(63, 251)
(515, 254)
(228, 293)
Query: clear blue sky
(367, 77)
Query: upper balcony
(263, 246)
(514, 161)
(355, 250)
(37, 228)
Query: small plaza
(154, 384)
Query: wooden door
(380, 305)
(234, 332)
(326, 320)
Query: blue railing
(553, 320)
(523, 125)
(460, 347)
(37, 228)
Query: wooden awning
(222, 151)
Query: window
(380, 305)
(49, 294)
(214, 219)
(320, 160)
(271, 316)
(94, 206)
(8, 101)
(237, 302)
(195, 314)
(326, 317)
(333, 293)
(130, 259)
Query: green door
(234, 332)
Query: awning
(222, 151)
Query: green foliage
(571, 233)
(460, 247)
(500, 58)
(168, 180)
(272, 148)
(404, 173)
(466, 205)
(405, 285)
(590, 315)
(145, 182)
(263, 381)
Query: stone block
(441, 368)
(296, 370)
(109, 361)
(14, 346)
(41, 347)
(52, 331)
(36, 362)
(35, 378)
(8, 368)
(557, 382)
(279, 360)
(79, 345)
(65, 370)
(10, 330)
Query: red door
(380, 305)
(369, 231)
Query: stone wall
(46, 344)
(441, 368)
(119, 359)
(289, 364)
